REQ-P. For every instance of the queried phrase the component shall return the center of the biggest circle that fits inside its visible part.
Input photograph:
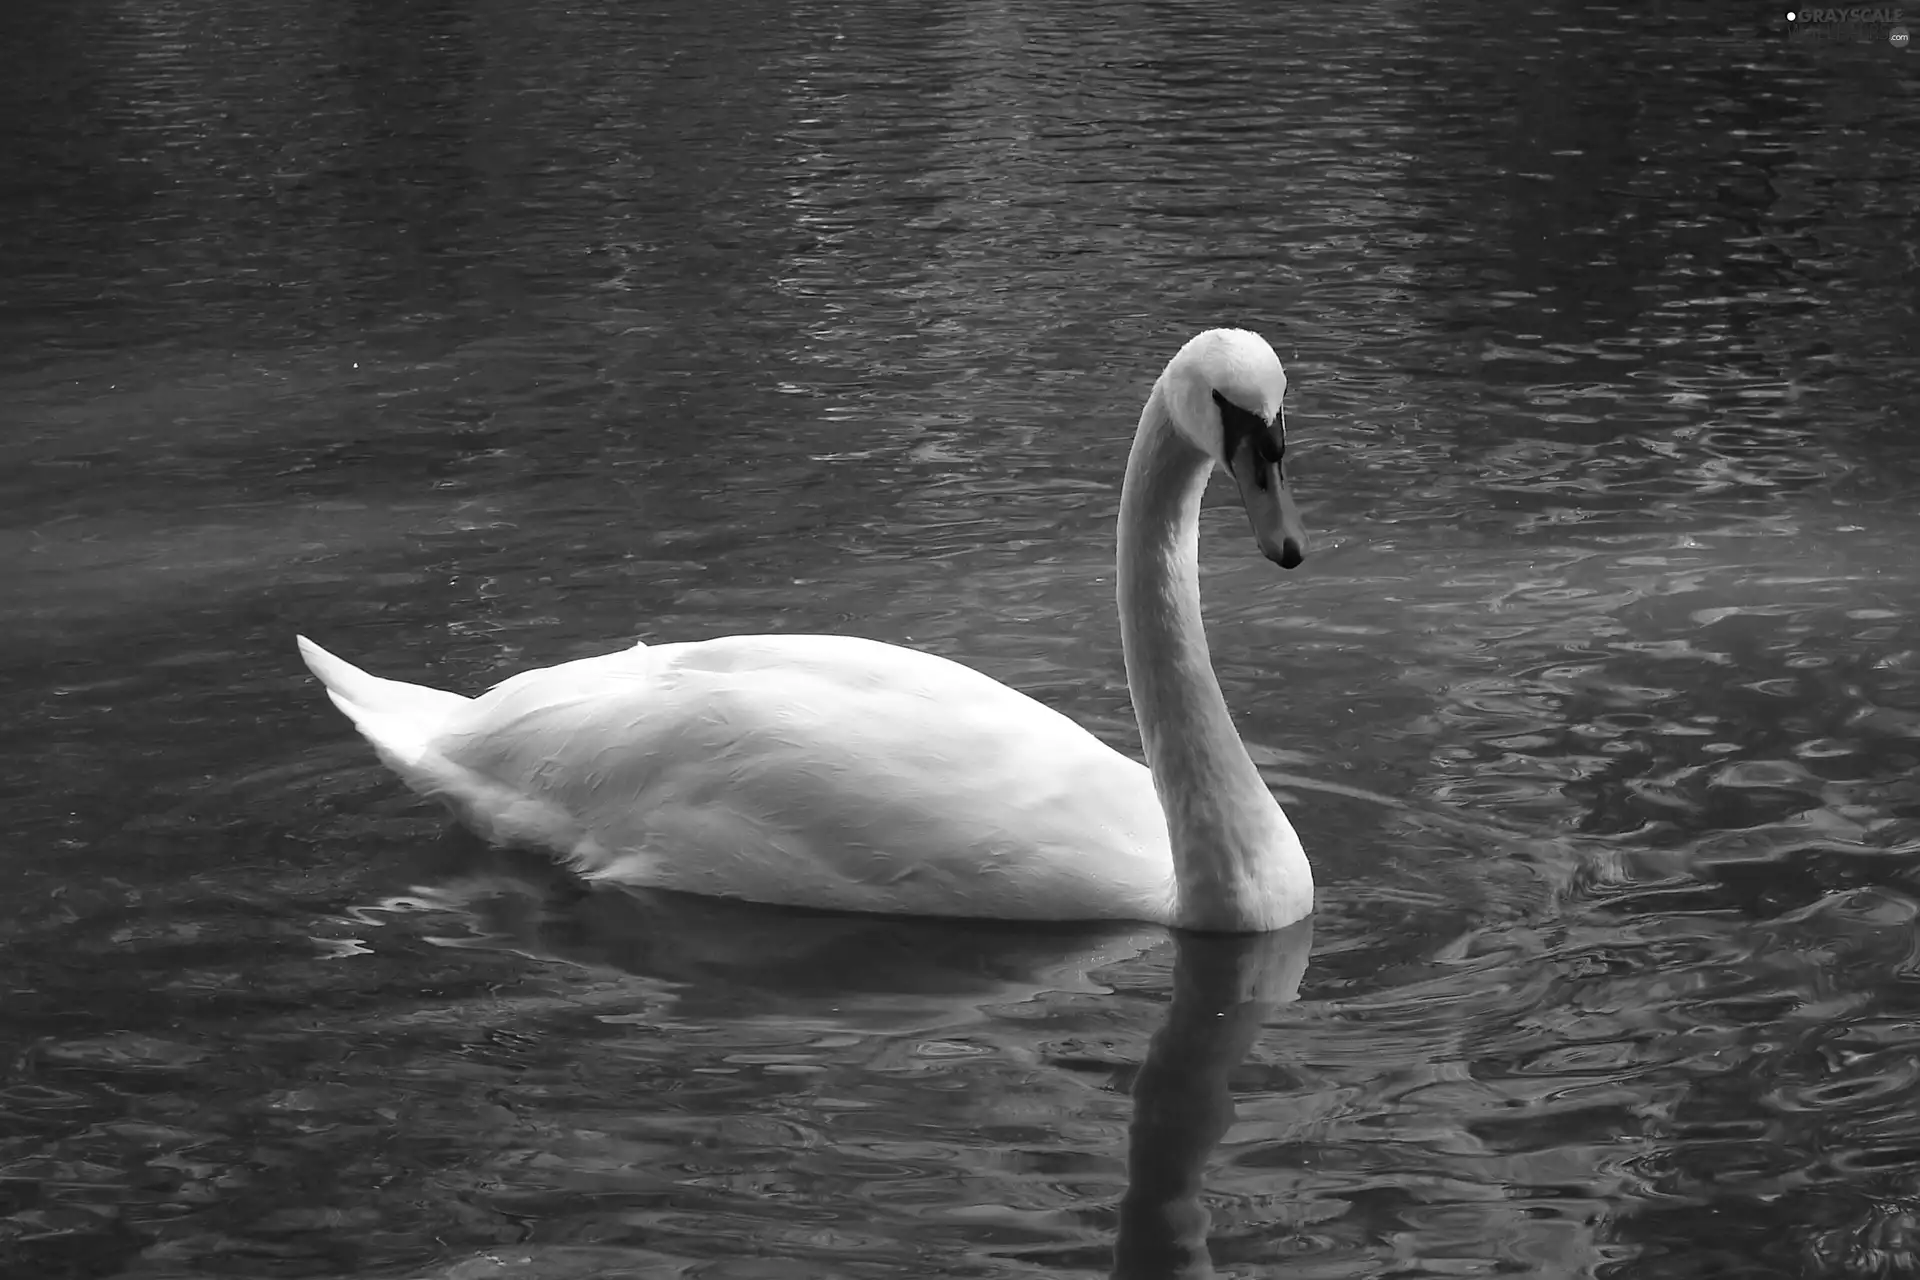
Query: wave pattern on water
(476, 339)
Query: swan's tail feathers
(401, 720)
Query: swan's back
(821, 771)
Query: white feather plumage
(842, 773)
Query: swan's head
(1223, 392)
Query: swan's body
(841, 773)
(823, 771)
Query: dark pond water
(468, 338)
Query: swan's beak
(1270, 507)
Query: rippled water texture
(469, 338)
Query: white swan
(845, 774)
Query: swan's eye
(1244, 429)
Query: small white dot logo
(1897, 37)
(1791, 15)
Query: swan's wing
(822, 771)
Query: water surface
(469, 338)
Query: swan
(839, 773)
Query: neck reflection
(1224, 985)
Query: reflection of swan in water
(1223, 988)
(723, 959)
(890, 976)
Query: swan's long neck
(1237, 863)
